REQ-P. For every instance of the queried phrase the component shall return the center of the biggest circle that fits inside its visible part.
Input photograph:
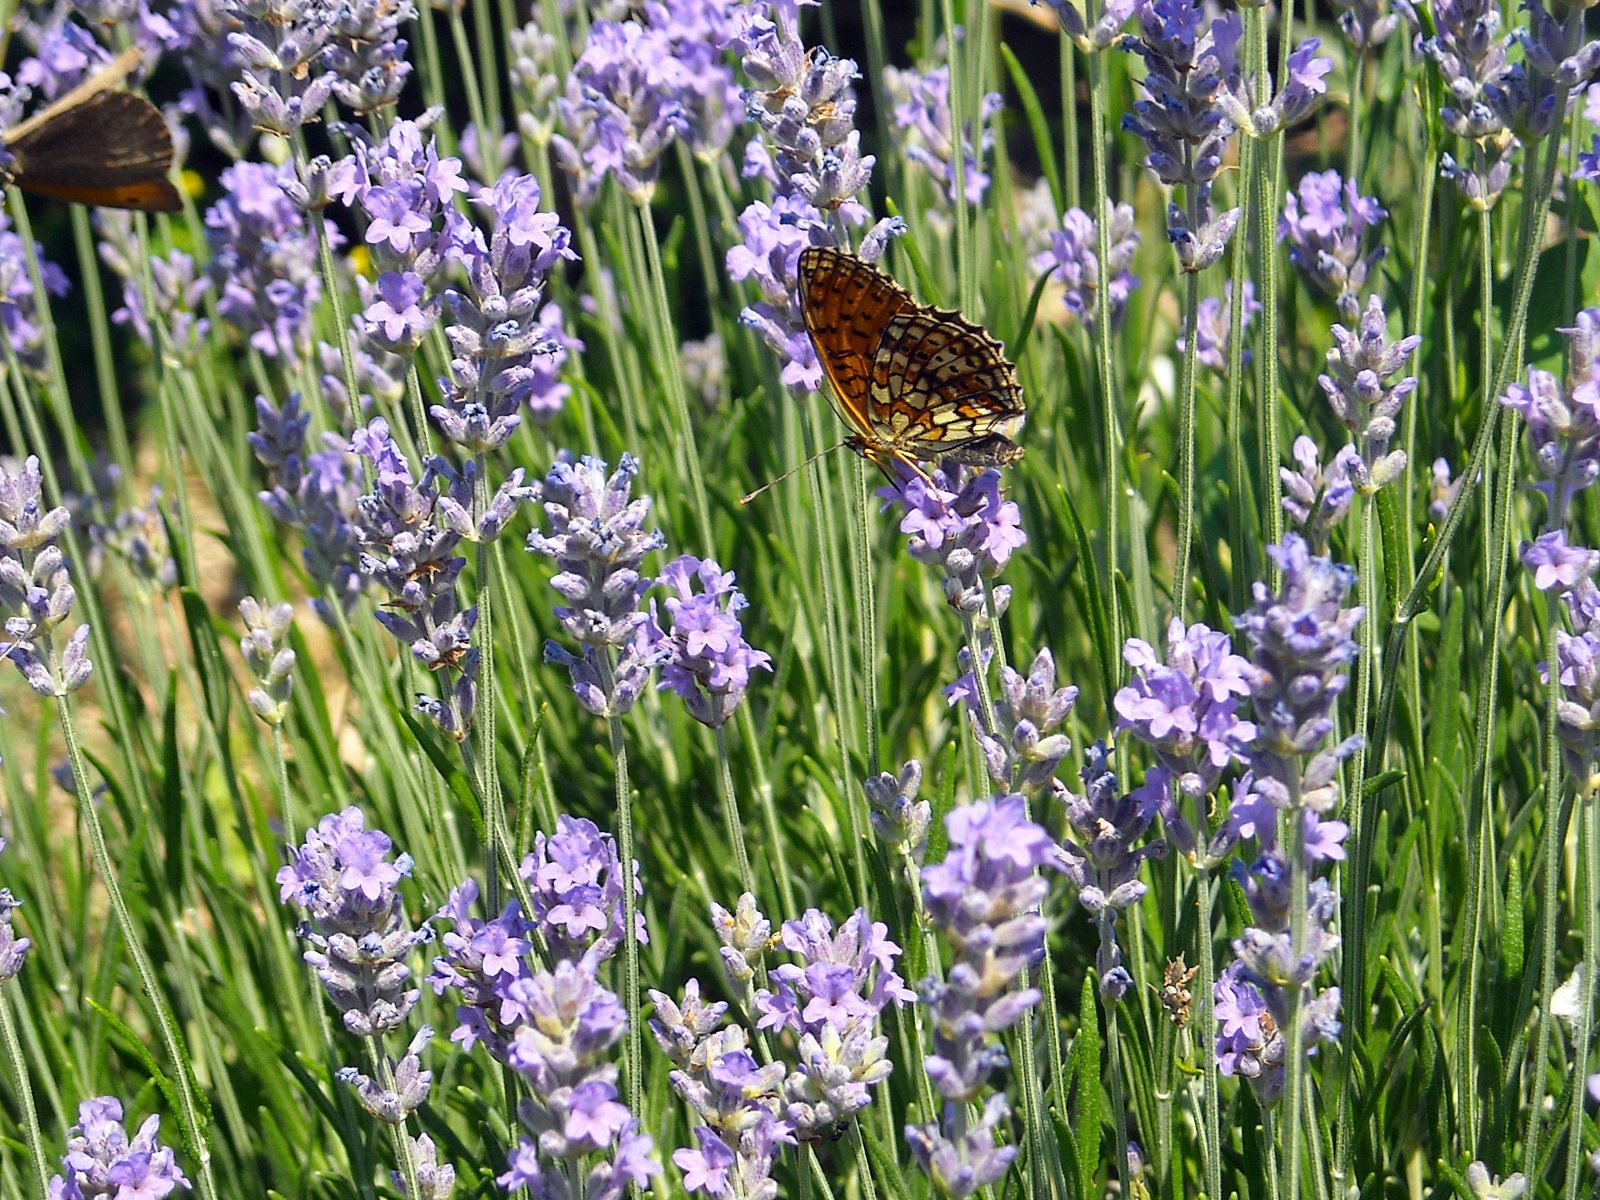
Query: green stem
(630, 907)
(30, 1114)
(730, 804)
(1588, 888)
(182, 1072)
(1211, 1149)
(1186, 421)
(383, 1072)
(1294, 1059)
(1105, 365)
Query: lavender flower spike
(708, 662)
(270, 661)
(984, 897)
(342, 878)
(1360, 366)
(1563, 418)
(1073, 258)
(1325, 226)
(36, 592)
(103, 1163)
(598, 541)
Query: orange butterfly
(913, 381)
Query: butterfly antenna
(791, 471)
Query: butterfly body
(915, 383)
(97, 146)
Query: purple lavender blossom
(832, 1000)
(1325, 225)
(409, 1088)
(579, 1138)
(1563, 419)
(699, 32)
(316, 494)
(1442, 490)
(575, 879)
(598, 541)
(1180, 119)
(435, 1180)
(380, 374)
(264, 260)
(1213, 327)
(13, 949)
(745, 935)
(409, 533)
(1360, 366)
(366, 54)
(1186, 707)
(19, 308)
(406, 191)
(960, 524)
(1100, 858)
(984, 898)
(774, 236)
(36, 592)
(622, 110)
(1022, 745)
(103, 1163)
(268, 659)
(278, 46)
(137, 536)
(708, 661)
(1578, 665)
(1472, 59)
(736, 1101)
(1557, 566)
(1073, 259)
(899, 819)
(1367, 24)
(343, 880)
(495, 332)
(922, 117)
(1315, 499)
(535, 81)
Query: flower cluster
(1073, 259)
(409, 533)
(580, 1139)
(341, 877)
(13, 949)
(1183, 127)
(1361, 365)
(1213, 327)
(706, 658)
(269, 661)
(1301, 641)
(899, 819)
(800, 99)
(316, 494)
(264, 262)
(103, 1163)
(495, 329)
(36, 592)
(574, 881)
(1186, 707)
(1021, 744)
(735, 1101)
(1101, 859)
(19, 314)
(621, 111)
(832, 1000)
(598, 541)
(1325, 225)
(1563, 419)
(984, 898)
(922, 115)
(138, 536)
(1367, 24)
(1317, 498)
(960, 524)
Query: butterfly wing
(847, 305)
(943, 388)
(114, 150)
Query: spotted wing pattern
(847, 305)
(915, 382)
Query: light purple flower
(1325, 225)
(1360, 390)
(922, 121)
(36, 592)
(1213, 330)
(1556, 565)
(1073, 258)
(708, 661)
(960, 524)
(103, 1163)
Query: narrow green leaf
(1099, 620)
(1512, 923)
(1379, 784)
(944, 801)
(1043, 143)
(1084, 1058)
(1018, 340)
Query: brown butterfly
(914, 381)
(97, 146)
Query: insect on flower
(913, 381)
(96, 146)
